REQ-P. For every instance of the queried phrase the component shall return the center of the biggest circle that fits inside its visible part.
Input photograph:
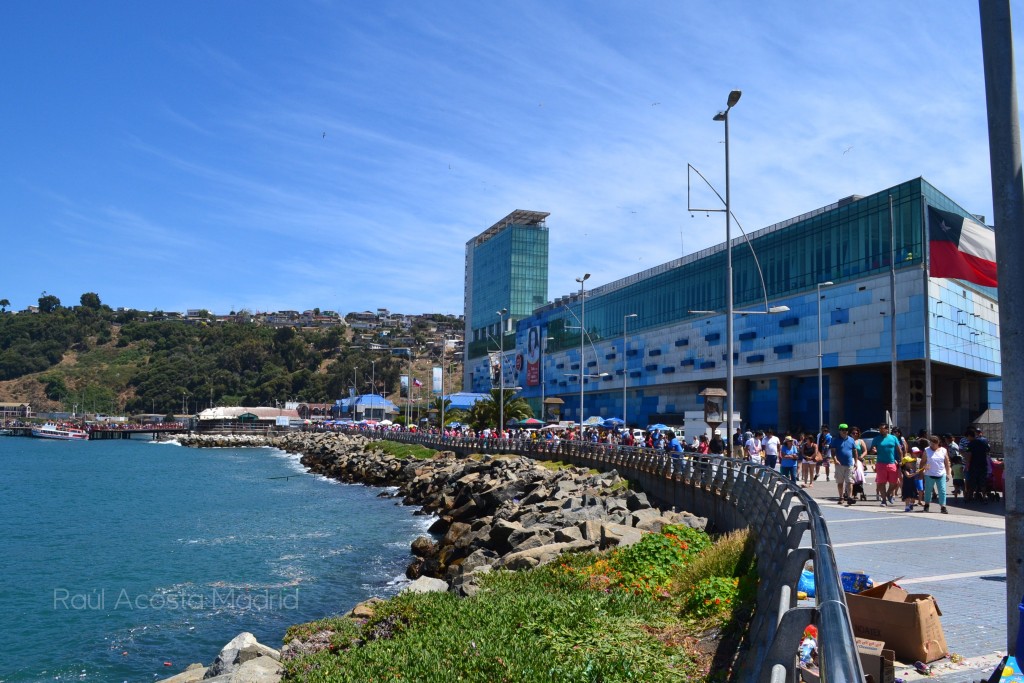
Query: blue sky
(268, 156)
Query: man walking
(771, 445)
(887, 473)
(824, 447)
(976, 467)
(843, 455)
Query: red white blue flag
(961, 248)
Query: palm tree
(487, 412)
(440, 405)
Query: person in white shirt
(754, 448)
(770, 445)
(937, 471)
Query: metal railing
(787, 526)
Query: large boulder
(260, 670)
(426, 584)
(618, 536)
(241, 649)
(527, 559)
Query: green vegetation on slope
(130, 361)
(573, 621)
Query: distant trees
(48, 303)
(90, 300)
(4, 303)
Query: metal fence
(786, 523)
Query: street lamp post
(583, 331)
(373, 386)
(734, 97)
(543, 381)
(501, 371)
(625, 366)
(444, 345)
(821, 396)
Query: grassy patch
(558, 466)
(401, 450)
(560, 622)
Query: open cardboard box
(876, 660)
(908, 623)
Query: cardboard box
(877, 662)
(907, 623)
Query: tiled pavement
(959, 558)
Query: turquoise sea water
(119, 556)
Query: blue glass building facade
(506, 268)
(673, 352)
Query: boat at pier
(53, 431)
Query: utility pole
(1008, 205)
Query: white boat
(6, 432)
(52, 431)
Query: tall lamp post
(583, 331)
(373, 386)
(625, 366)
(821, 395)
(501, 371)
(734, 97)
(543, 381)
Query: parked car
(868, 436)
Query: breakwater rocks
(493, 512)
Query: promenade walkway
(959, 558)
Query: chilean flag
(961, 248)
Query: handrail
(731, 494)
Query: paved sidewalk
(959, 558)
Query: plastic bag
(806, 583)
(855, 582)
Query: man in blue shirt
(843, 455)
(825, 448)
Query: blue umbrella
(613, 422)
(657, 427)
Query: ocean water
(129, 560)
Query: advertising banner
(437, 386)
(533, 357)
(494, 358)
(404, 388)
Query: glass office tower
(506, 268)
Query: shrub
(647, 566)
(731, 555)
(712, 596)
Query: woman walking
(937, 471)
(809, 458)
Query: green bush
(712, 596)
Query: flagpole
(892, 313)
(927, 316)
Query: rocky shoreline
(493, 512)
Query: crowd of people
(930, 466)
(915, 471)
